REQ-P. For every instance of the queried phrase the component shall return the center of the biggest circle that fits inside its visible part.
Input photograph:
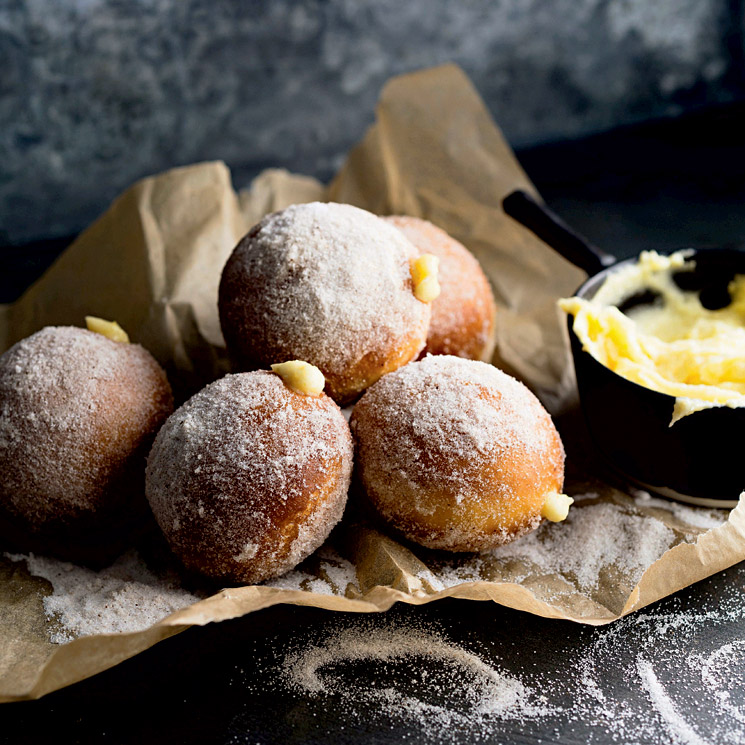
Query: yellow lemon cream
(675, 345)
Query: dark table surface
(649, 678)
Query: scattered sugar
(325, 573)
(593, 540)
(128, 596)
(698, 517)
(678, 727)
(607, 535)
(460, 689)
(659, 653)
(635, 681)
(414, 674)
(124, 597)
(717, 672)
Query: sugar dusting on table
(677, 725)
(483, 691)
(410, 675)
(415, 675)
(665, 657)
(718, 670)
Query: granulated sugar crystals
(455, 687)
(673, 676)
(124, 597)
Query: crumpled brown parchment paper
(153, 262)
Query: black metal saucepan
(701, 458)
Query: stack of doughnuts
(250, 475)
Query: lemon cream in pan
(673, 345)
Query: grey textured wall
(97, 93)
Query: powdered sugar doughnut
(464, 315)
(78, 413)
(456, 454)
(329, 284)
(248, 477)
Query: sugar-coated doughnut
(248, 477)
(78, 413)
(464, 315)
(329, 284)
(457, 455)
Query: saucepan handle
(552, 230)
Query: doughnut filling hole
(424, 275)
(556, 507)
(463, 309)
(301, 376)
(110, 329)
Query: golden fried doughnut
(457, 455)
(329, 284)
(463, 316)
(78, 413)
(248, 477)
